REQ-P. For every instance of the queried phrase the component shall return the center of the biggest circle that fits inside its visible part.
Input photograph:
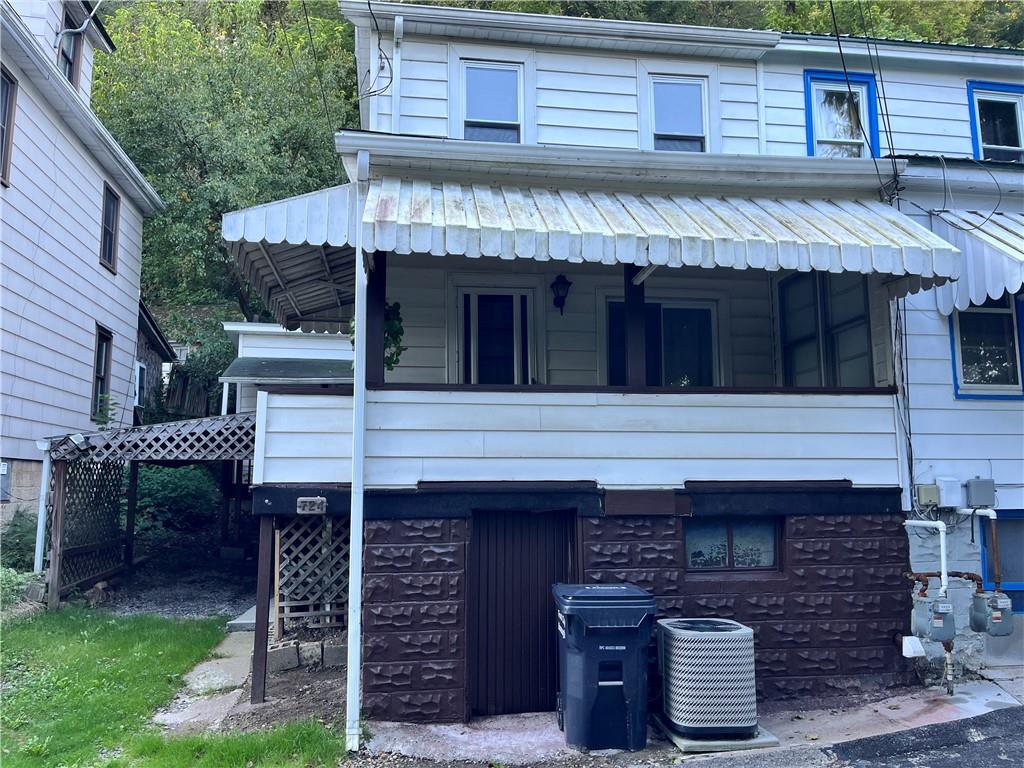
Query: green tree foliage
(220, 107)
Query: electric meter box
(932, 618)
(981, 493)
(992, 613)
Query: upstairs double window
(842, 114)
(997, 120)
(492, 101)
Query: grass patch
(295, 745)
(77, 681)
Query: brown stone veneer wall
(825, 623)
(414, 616)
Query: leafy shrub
(176, 498)
(12, 586)
(19, 541)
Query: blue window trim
(1018, 316)
(1007, 586)
(812, 76)
(984, 85)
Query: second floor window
(826, 338)
(679, 114)
(988, 346)
(493, 102)
(108, 233)
(8, 96)
(69, 52)
(842, 117)
(999, 122)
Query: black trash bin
(604, 631)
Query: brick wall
(825, 623)
(414, 616)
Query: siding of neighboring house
(55, 289)
(148, 355)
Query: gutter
(60, 95)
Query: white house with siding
(73, 206)
(686, 300)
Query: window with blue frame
(986, 348)
(841, 114)
(997, 120)
(1010, 529)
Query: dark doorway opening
(514, 559)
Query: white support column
(44, 489)
(355, 572)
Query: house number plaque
(311, 505)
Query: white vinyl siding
(616, 440)
(55, 290)
(280, 344)
(423, 87)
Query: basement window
(732, 543)
(493, 103)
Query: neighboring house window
(680, 122)
(8, 101)
(5, 480)
(731, 543)
(997, 120)
(988, 347)
(1010, 527)
(842, 114)
(69, 52)
(493, 101)
(681, 344)
(140, 384)
(495, 333)
(109, 232)
(101, 370)
(824, 330)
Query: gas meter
(991, 612)
(932, 618)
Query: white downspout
(355, 568)
(44, 489)
(396, 76)
(939, 526)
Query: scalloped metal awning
(299, 252)
(993, 248)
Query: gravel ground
(186, 580)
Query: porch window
(69, 54)
(8, 99)
(998, 121)
(140, 384)
(493, 102)
(101, 370)
(842, 116)
(824, 329)
(109, 228)
(726, 544)
(679, 113)
(495, 335)
(682, 349)
(988, 345)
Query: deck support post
(227, 485)
(60, 475)
(264, 563)
(129, 518)
(636, 328)
(376, 302)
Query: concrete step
(244, 623)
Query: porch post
(636, 328)
(264, 560)
(129, 518)
(376, 296)
(60, 475)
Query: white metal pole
(355, 572)
(44, 488)
(939, 526)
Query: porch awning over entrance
(993, 248)
(609, 227)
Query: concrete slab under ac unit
(761, 740)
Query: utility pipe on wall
(939, 526)
(997, 574)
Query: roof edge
(149, 326)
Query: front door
(514, 559)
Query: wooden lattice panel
(313, 560)
(213, 438)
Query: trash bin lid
(579, 598)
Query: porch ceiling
(993, 247)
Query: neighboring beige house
(73, 205)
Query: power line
(316, 63)
(883, 101)
(384, 58)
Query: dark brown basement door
(514, 559)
